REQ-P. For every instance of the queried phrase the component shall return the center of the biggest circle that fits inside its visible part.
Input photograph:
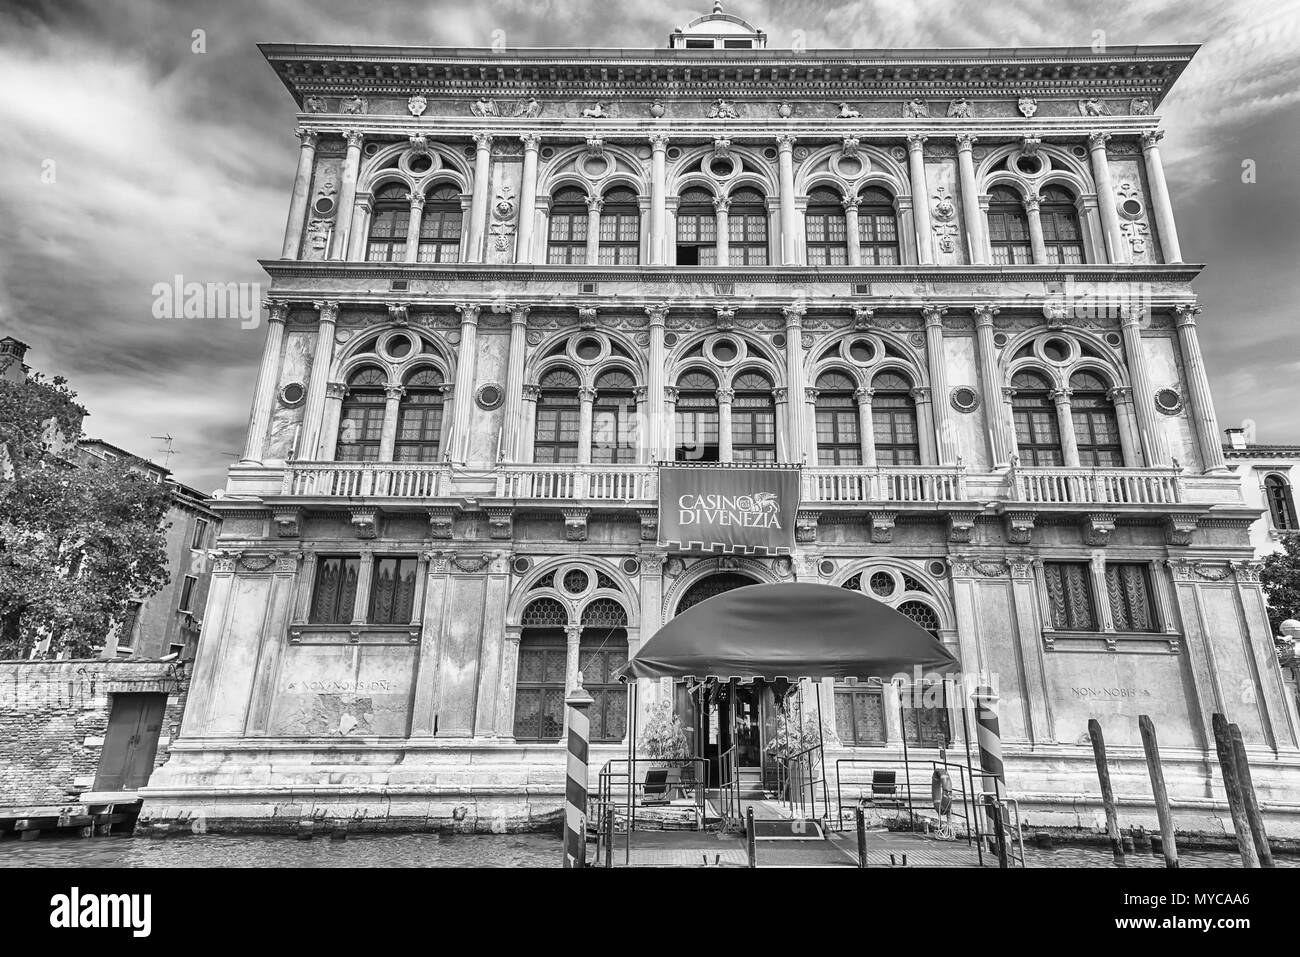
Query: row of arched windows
(419, 416)
(1009, 233)
(438, 236)
(1037, 423)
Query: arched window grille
(389, 221)
(826, 228)
(543, 656)
(419, 418)
(697, 229)
(893, 421)
(1096, 427)
(878, 228)
(697, 418)
(747, 229)
(1038, 432)
(1061, 233)
(558, 414)
(440, 226)
(613, 418)
(361, 418)
(839, 439)
(620, 228)
(753, 419)
(568, 227)
(1008, 228)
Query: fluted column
(478, 207)
(1036, 244)
(466, 359)
(1106, 198)
(259, 420)
(920, 198)
(388, 435)
(1065, 425)
(659, 441)
(970, 203)
(725, 397)
(1160, 204)
(413, 228)
(937, 366)
(866, 429)
(794, 377)
(527, 199)
(1198, 388)
(586, 399)
(299, 199)
(1154, 449)
(514, 406)
(347, 194)
(322, 358)
(1001, 442)
(852, 234)
(789, 238)
(658, 200)
(721, 205)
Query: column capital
(1186, 314)
(532, 392)
(1032, 203)
(531, 141)
(863, 395)
(641, 393)
(328, 309)
(920, 394)
(794, 313)
(1060, 396)
(1097, 141)
(1151, 140)
(850, 204)
(726, 396)
(671, 392)
(657, 314)
(595, 204)
(519, 314)
(984, 314)
(307, 137)
(586, 394)
(965, 141)
(417, 201)
(394, 391)
(353, 138)
(482, 140)
(468, 313)
(1008, 393)
(785, 142)
(780, 395)
(933, 314)
(658, 142)
(915, 141)
(1120, 395)
(277, 310)
(721, 203)
(336, 390)
(810, 393)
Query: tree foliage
(1281, 578)
(78, 543)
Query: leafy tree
(1281, 578)
(77, 544)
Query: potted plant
(664, 737)
(792, 738)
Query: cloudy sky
(168, 162)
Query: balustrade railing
(849, 484)
(578, 482)
(1096, 486)
(365, 479)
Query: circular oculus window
(964, 399)
(324, 206)
(862, 350)
(398, 346)
(489, 396)
(1056, 350)
(1169, 401)
(293, 393)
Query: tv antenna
(167, 454)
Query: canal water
(425, 850)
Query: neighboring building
(947, 283)
(1268, 476)
(168, 621)
(12, 353)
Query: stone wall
(54, 715)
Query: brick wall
(54, 714)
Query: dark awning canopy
(795, 630)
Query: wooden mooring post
(1152, 749)
(1107, 792)
(1232, 787)
(1253, 813)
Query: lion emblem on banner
(761, 502)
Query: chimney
(1236, 438)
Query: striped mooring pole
(575, 786)
(989, 737)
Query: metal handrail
(786, 764)
(622, 774)
(729, 787)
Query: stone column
(594, 204)
(529, 425)
(1036, 243)
(572, 639)
(658, 200)
(347, 193)
(527, 199)
(478, 208)
(466, 358)
(304, 587)
(388, 437)
(1093, 233)
(1200, 404)
(425, 693)
(853, 237)
(643, 435)
(920, 198)
(1106, 198)
(923, 397)
(1001, 443)
(492, 652)
(586, 398)
(658, 439)
(299, 201)
(906, 227)
(514, 405)
(322, 358)
(725, 396)
(810, 421)
(794, 376)
(1154, 450)
(789, 236)
(259, 421)
(359, 232)
(509, 674)
(1029, 633)
(413, 228)
(365, 575)
(1065, 423)
(1130, 441)
(670, 420)
(970, 203)
(721, 204)
(335, 393)
(1160, 204)
(866, 432)
(937, 367)
(781, 404)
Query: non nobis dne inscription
(341, 687)
(1111, 693)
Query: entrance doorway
(131, 742)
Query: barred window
(1061, 233)
(1128, 587)
(440, 227)
(335, 590)
(545, 613)
(392, 591)
(747, 229)
(419, 418)
(1008, 228)
(558, 413)
(389, 222)
(860, 714)
(826, 229)
(1038, 432)
(1069, 594)
(620, 228)
(753, 419)
(600, 654)
(361, 418)
(539, 690)
(1096, 428)
(126, 627)
(568, 228)
(893, 421)
(839, 439)
(878, 228)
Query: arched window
(706, 588)
(556, 437)
(893, 420)
(747, 229)
(753, 419)
(539, 690)
(361, 420)
(613, 418)
(1038, 433)
(568, 231)
(826, 228)
(602, 650)
(440, 226)
(388, 225)
(878, 228)
(1008, 228)
(697, 418)
(1061, 233)
(620, 228)
(697, 229)
(839, 440)
(419, 418)
(1281, 504)
(1096, 429)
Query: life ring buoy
(941, 791)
